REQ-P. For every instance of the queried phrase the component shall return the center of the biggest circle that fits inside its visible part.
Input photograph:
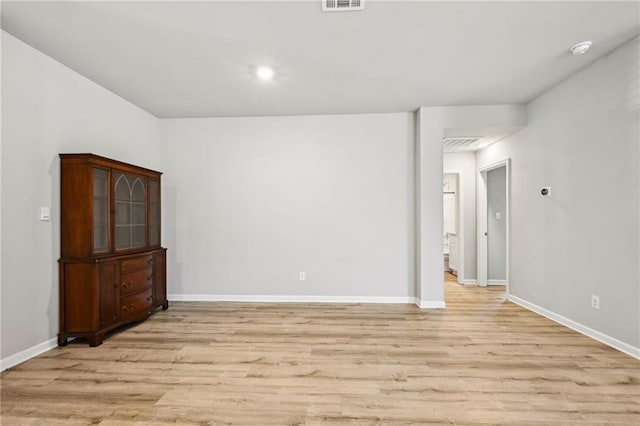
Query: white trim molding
(468, 282)
(22, 356)
(422, 304)
(497, 282)
(431, 304)
(576, 326)
(286, 298)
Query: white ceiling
(197, 59)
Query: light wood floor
(483, 360)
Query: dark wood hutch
(112, 267)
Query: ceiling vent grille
(342, 5)
(460, 144)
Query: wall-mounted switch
(595, 301)
(498, 215)
(301, 276)
(45, 214)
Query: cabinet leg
(62, 340)
(165, 305)
(95, 340)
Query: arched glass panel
(131, 211)
(138, 191)
(123, 188)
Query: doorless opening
(493, 224)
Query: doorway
(453, 244)
(450, 227)
(493, 224)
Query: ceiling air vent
(342, 5)
(460, 144)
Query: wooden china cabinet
(112, 267)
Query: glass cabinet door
(154, 212)
(131, 211)
(100, 210)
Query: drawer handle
(127, 308)
(149, 277)
(149, 261)
(150, 299)
(126, 285)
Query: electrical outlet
(301, 276)
(595, 301)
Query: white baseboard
(285, 298)
(583, 329)
(424, 304)
(497, 282)
(22, 356)
(468, 282)
(431, 304)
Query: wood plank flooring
(483, 360)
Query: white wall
(48, 109)
(257, 200)
(464, 163)
(583, 141)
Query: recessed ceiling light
(580, 48)
(265, 73)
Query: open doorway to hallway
(497, 226)
(450, 204)
(493, 224)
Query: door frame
(460, 219)
(482, 221)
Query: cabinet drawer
(135, 263)
(134, 282)
(135, 304)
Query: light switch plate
(498, 215)
(45, 214)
